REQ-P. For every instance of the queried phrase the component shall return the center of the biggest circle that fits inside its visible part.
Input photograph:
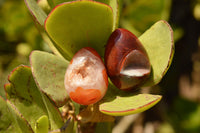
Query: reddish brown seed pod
(86, 80)
(126, 60)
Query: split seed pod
(126, 60)
(86, 80)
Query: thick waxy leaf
(38, 14)
(129, 105)
(158, 42)
(104, 1)
(10, 119)
(116, 6)
(42, 125)
(141, 14)
(78, 24)
(56, 2)
(31, 103)
(119, 103)
(48, 71)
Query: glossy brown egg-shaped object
(126, 60)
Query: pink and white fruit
(86, 80)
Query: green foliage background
(179, 110)
(18, 37)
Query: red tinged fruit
(86, 80)
(126, 60)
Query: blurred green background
(179, 110)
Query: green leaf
(78, 24)
(10, 119)
(159, 44)
(42, 125)
(56, 120)
(127, 105)
(49, 71)
(38, 14)
(107, 2)
(44, 5)
(141, 14)
(51, 3)
(119, 103)
(31, 103)
(56, 2)
(116, 6)
(69, 126)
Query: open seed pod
(126, 60)
(86, 80)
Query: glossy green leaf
(107, 2)
(116, 5)
(38, 14)
(10, 119)
(78, 24)
(68, 127)
(31, 103)
(120, 103)
(139, 15)
(42, 125)
(44, 5)
(56, 2)
(54, 115)
(48, 71)
(159, 44)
